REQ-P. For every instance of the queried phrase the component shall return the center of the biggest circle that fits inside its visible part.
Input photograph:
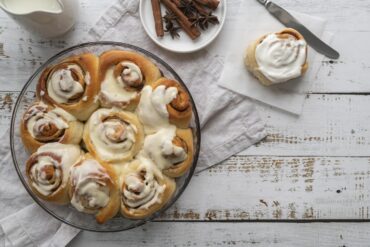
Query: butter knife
(288, 20)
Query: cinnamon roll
(113, 135)
(123, 74)
(277, 57)
(47, 170)
(144, 189)
(171, 150)
(163, 103)
(93, 189)
(72, 85)
(44, 124)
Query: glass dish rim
(103, 43)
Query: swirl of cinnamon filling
(165, 148)
(121, 84)
(182, 101)
(113, 135)
(141, 190)
(48, 168)
(89, 186)
(66, 83)
(46, 172)
(46, 124)
(129, 76)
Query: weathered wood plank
(228, 234)
(278, 188)
(331, 125)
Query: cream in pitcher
(48, 18)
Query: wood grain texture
(227, 234)
(278, 188)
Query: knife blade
(288, 20)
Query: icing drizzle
(152, 109)
(141, 189)
(281, 59)
(89, 183)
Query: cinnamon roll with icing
(113, 135)
(163, 103)
(47, 170)
(44, 124)
(123, 74)
(277, 57)
(93, 189)
(170, 149)
(72, 85)
(144, 189)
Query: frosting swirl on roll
(165, 148)
(152, 109)
(112, 136)
(49, 167)
(66, 83)
(45, 125)
(121, 84)
(280, 58)
(90, 190)
(141, 189)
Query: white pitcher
(49, 18)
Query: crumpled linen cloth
(23, 223)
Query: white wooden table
(309, 171)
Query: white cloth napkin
(255, 22)
(229, 122)
(22, 222)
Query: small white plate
(183, 44)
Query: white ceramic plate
(184, 44)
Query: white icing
(139, 193)
(96, 98)
(89, 182)
(113, 89)
(69, 154)
(36, 118)
(152, 108)
(87, 78)
(281, 59)
(159, 148)
(113, 139)
(131, 73)
(64, 114)
(61, 86)
(42, 92)
(84, 98)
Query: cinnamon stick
(157, 18)
(200, 8)
(212, 4)
(183, 21)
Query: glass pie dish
(68, 214)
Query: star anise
(203, 21)
(173, 31)
(170, 26)
(187, 7)
(169, 17)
